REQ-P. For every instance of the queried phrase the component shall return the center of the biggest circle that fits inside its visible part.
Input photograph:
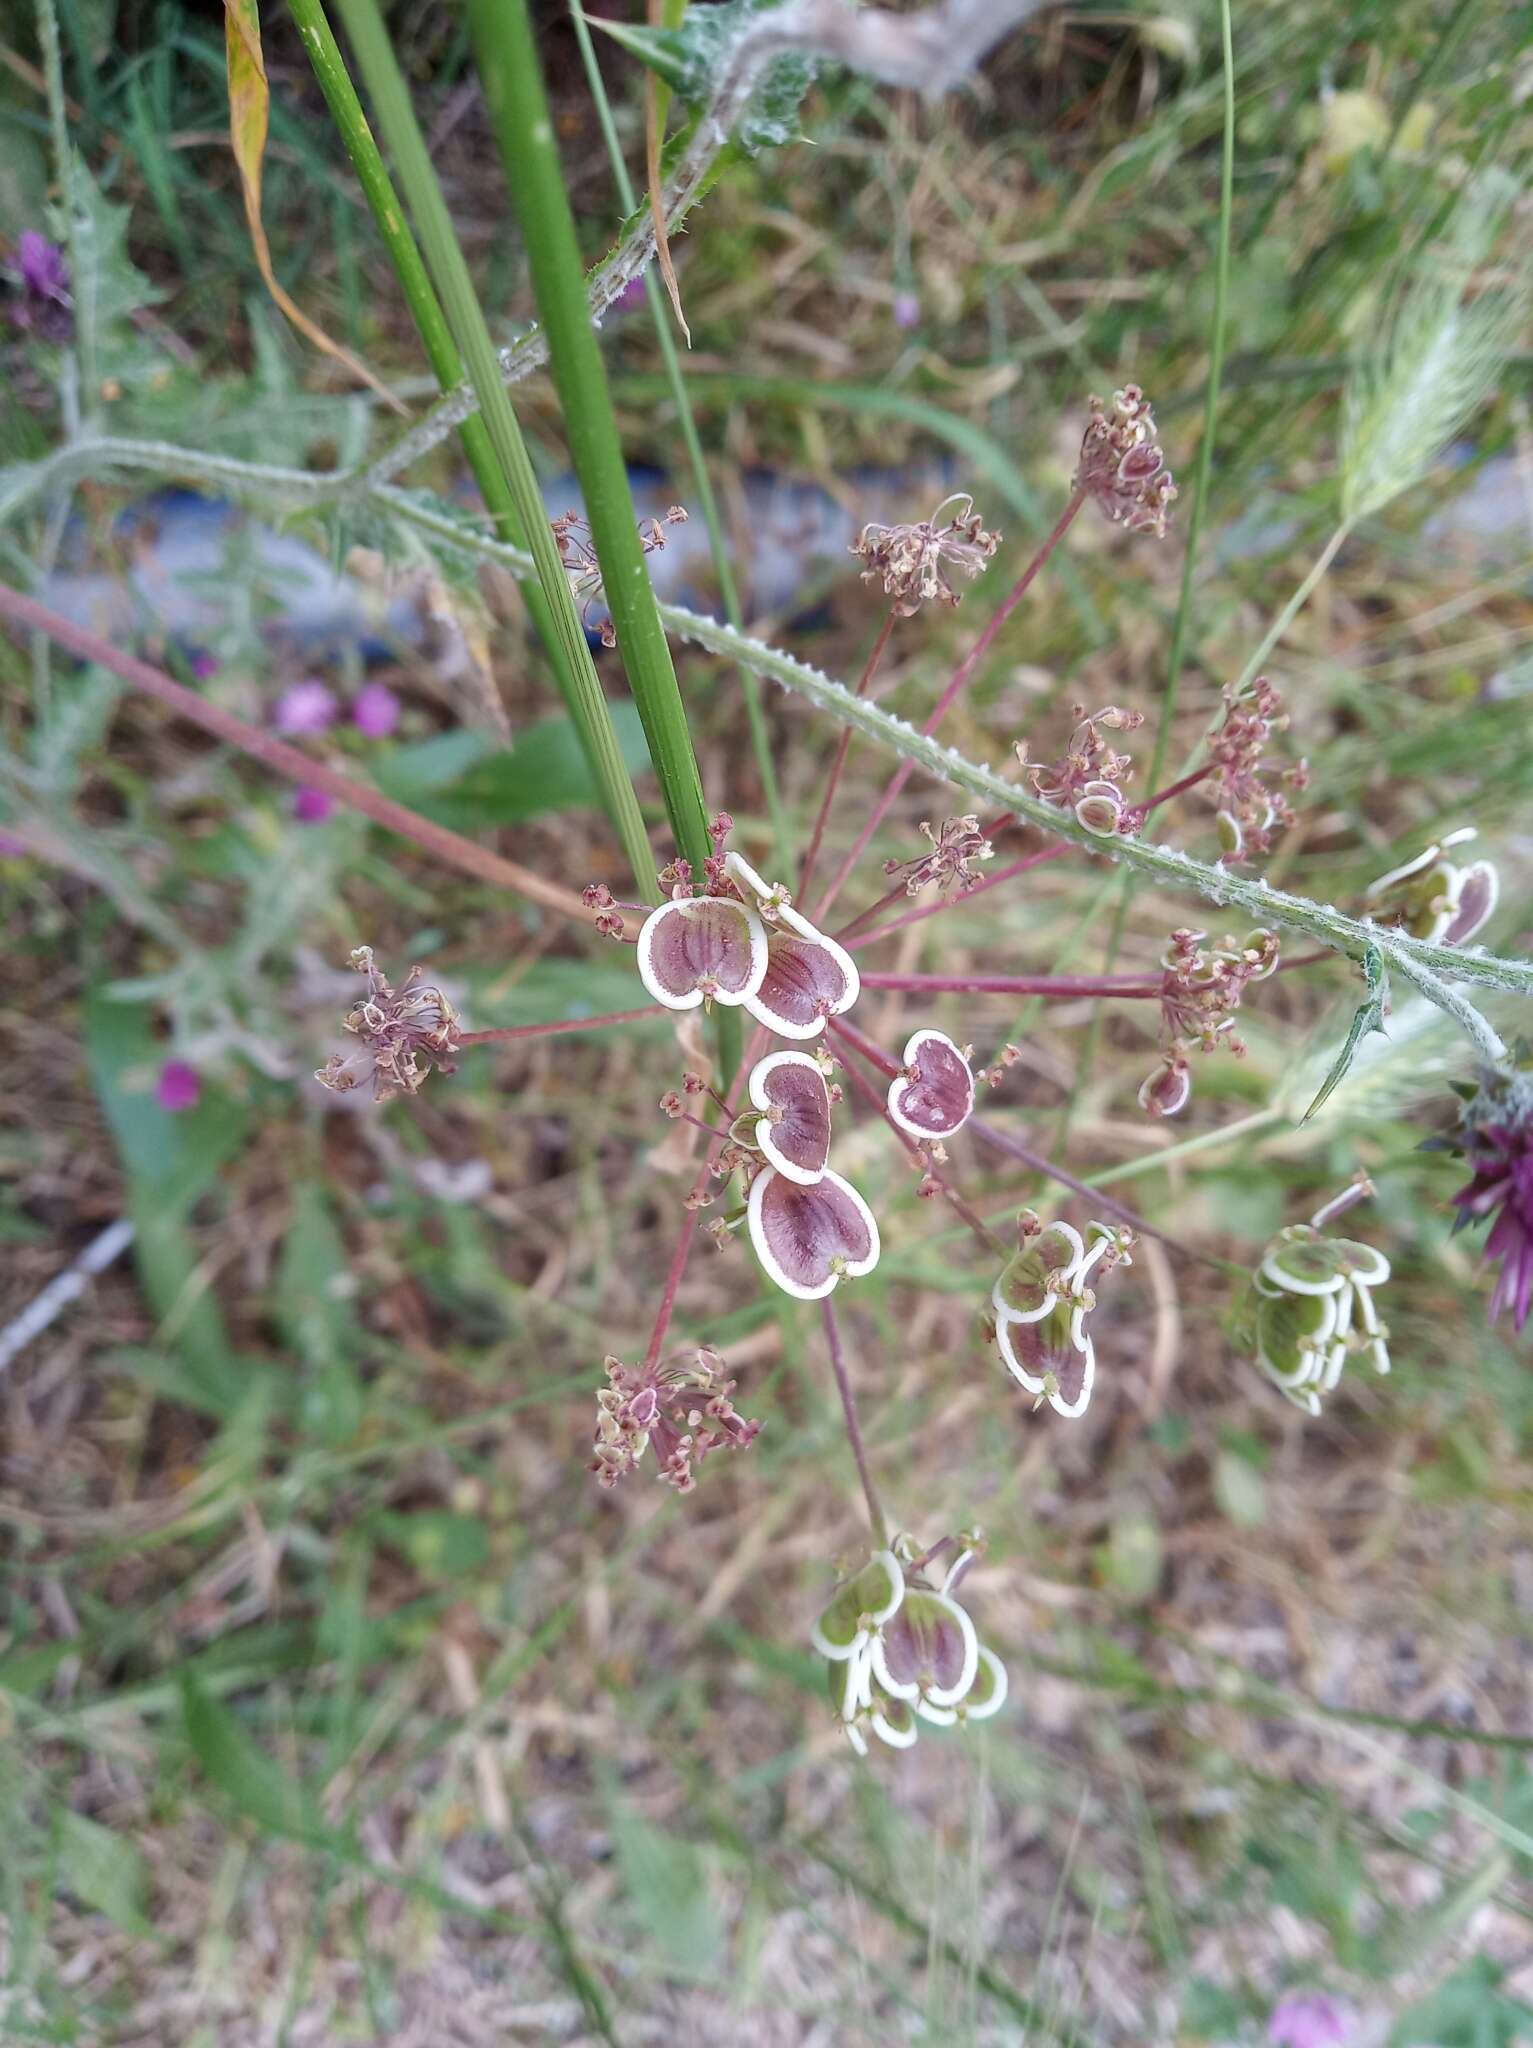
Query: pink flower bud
(312, 806)
(304, 709)
(179, 1087)
(375, 711)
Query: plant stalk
(465, 318)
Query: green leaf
(667, 1886)
(174, 1156)
(246, 1776)
(1369, 1017)
(694, 59)
(103, 1870)
(546, 771)
(440, 1543)
(1240, 1490)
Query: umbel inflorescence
(900, 1649)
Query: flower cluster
(1436, 899)
(741, 942)
(682, 1408)
(1200, 991)
(404, 1033)
(42, 304)
(1314, 1305)
(1088, 778)
(901, 1650)
(1495, 1137)
(916, 563)
(577, 551)
(1252, 809)
(1122, 466)
(955, 850)
(1041, 1302)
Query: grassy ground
(336, 1702)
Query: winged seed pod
(1040, 1304)
(1314, 1305)
(1437, 900)
(901, 1650)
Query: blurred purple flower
(375, 713)
(907, 310)
(1309, 2019)
(1501, 1156)
(631, 297)
(312, 806)
(179, 1086)
(12, 848)
(305, 708)
(44, 307)
(205, 665)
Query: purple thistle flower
(43, 275)
(1309, 2019)
(312, 806)
(303, 709)
(179, 1087)
(631, 297)
(204, 666)
(375, 711)
(1496, 1139)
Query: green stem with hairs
(718, 549)
(466, 322)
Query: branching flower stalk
(289, 761)
(959, 680)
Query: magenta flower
(205, 665)
(304, 708)
(631, 297)
(44, 307)
(375, 712)
(1309, 2019)
(12, 848)
(179, 1087)
(312, 806)
(907, 311)
(1497, 1142)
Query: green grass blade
(507, 55)
(465, 318)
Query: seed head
(403, 1034)
(1122, 466)
(916, 564)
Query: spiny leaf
(249, 107)
(1369, 1017)
(695, 58)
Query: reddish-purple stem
(1018, 867)
(838, 762)
(1062, 986)
(865, 1088)
(960, 680)
(507, 1034)
(853, 1429)
(288, 761)
(1003, 1141)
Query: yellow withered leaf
(249, 105)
